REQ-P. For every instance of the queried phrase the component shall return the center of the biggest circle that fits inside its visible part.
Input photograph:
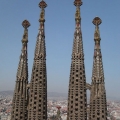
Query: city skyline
(59, 31)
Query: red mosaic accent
(42, 4)
(77, 2)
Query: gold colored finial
(25, 24)
(97, 21)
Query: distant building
(4, 117)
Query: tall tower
(20, 101)
(98, 107)
(77, 101)
(37, 109)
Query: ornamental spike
(77, 3)
(25, 24)
(42, 5)
(97, 21)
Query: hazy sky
(59, 31)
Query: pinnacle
(78, 2)
(97, 21)
(21, 93)
(25, 24)
(42, 4)
(98, 95)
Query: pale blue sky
(59, 31)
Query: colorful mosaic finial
(97, 21)
(25, 24)
(42, 4)
(78, 2)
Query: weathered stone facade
(30, 100)
(20, 98)
(37, 108)
(98, 105)
(77, 99)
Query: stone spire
(37, 109)
(77, 101)
(98, 106)
(20, 101)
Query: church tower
(37, 108)
(77, 100)
(98, 106)
(20, 101)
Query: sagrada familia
(30, 99)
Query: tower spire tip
(25, 24)
(42, 4)
(97, 21)
(78, 2)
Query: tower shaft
(20, 101)
(77, 101)
(38, 86)
(98, 106)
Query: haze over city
(59, 32)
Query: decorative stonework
(97, 21)
(42, 4)
(78, 2)
(98, 105)
(77, 99)
(20, 97)
(25, 24)
(37, 108)
(30, 100)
